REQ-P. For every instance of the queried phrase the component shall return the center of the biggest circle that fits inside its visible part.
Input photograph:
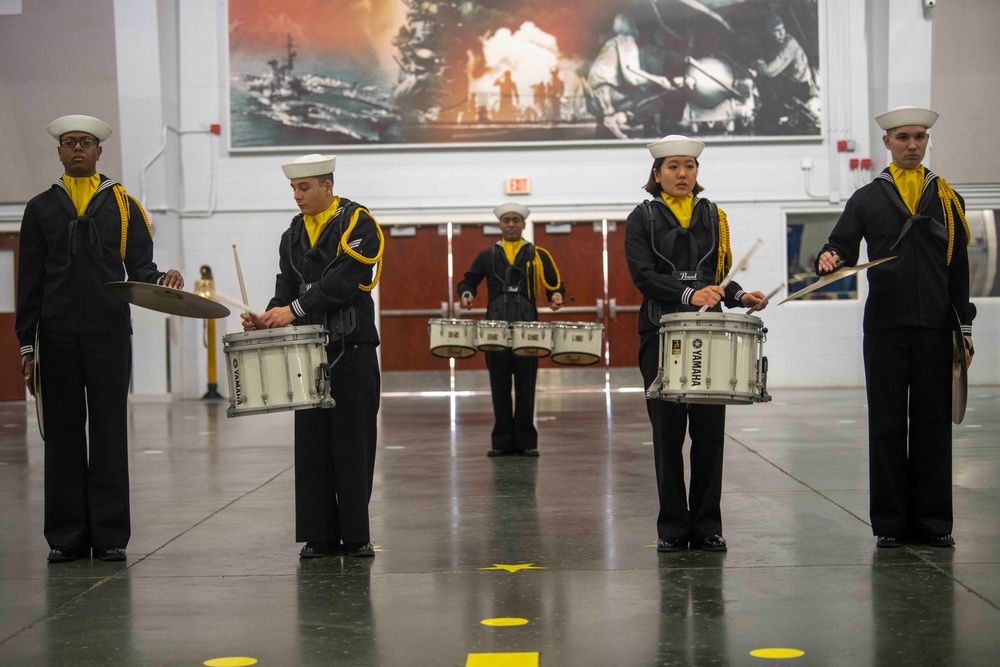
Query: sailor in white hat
(912, 216)
(677, 250)
(330, 259)
(517, 273)
(79, 235)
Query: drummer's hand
(251, 322)
(968, 351)
(173, 279)
(708, 296)
(827, 262)
(557, 301)
(29, 371)
(753, 300)
(278, 317)
(467, 301)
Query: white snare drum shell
(276, 369)
(452, 338)
(713, 358)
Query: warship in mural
(347, 111)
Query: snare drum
(277, 369)
(576, 343)
(532, 339)
(492, 335)
(711, 358)
(453, 338)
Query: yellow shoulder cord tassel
(725, 250)
(948, 200)
(540, 283)
(377, 259)
(123, 198)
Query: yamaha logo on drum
(236, 380)
(696, 363)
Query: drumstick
(736, 268)
(234, 303)
(768, 297)
(239, 275)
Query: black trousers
(908, 374)
(514, 420)
(694, 514)
(85, 379)
(335, 452)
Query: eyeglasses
(85, 142)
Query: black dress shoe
(359, 549)
(63, 555)
(888, 542)
(499, 452)
(110, 554)
(939, 541)
(528, 452)
(671, 544)
(317, 550)
(712, 543)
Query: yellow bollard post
(205, 286)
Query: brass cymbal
(167, 300)
(834, 276)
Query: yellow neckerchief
(511, 248)
(81, 190)
(680, 206)
(315, 224)
(910, 183)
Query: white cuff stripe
(297, 309)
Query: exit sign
(517, 186)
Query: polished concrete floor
(564, 542)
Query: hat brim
(310, 165)
(511, 207)
(675, 145)
(78, 123)
(903, 116)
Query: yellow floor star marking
(502, 660)
(230, 662)
(378, 549)
(513, 568)
(504, 622)
(777, 653)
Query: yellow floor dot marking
(777, 653)
(230, 662)
(502, 660)
(504, 622)
(513, 568)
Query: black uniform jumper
(85, 354)
(335, 447)
(511, 295)
(909, 315)
(668, 264)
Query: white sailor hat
(906, 115)
(511, 207)
(77, 123)
(313, 164)
(675, 144)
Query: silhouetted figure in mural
(508, 94)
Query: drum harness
(343, 248)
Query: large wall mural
(416, 72)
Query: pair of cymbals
(167, 300)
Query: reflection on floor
(562, 542)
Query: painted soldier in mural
(617, 81)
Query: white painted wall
(244, 198)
